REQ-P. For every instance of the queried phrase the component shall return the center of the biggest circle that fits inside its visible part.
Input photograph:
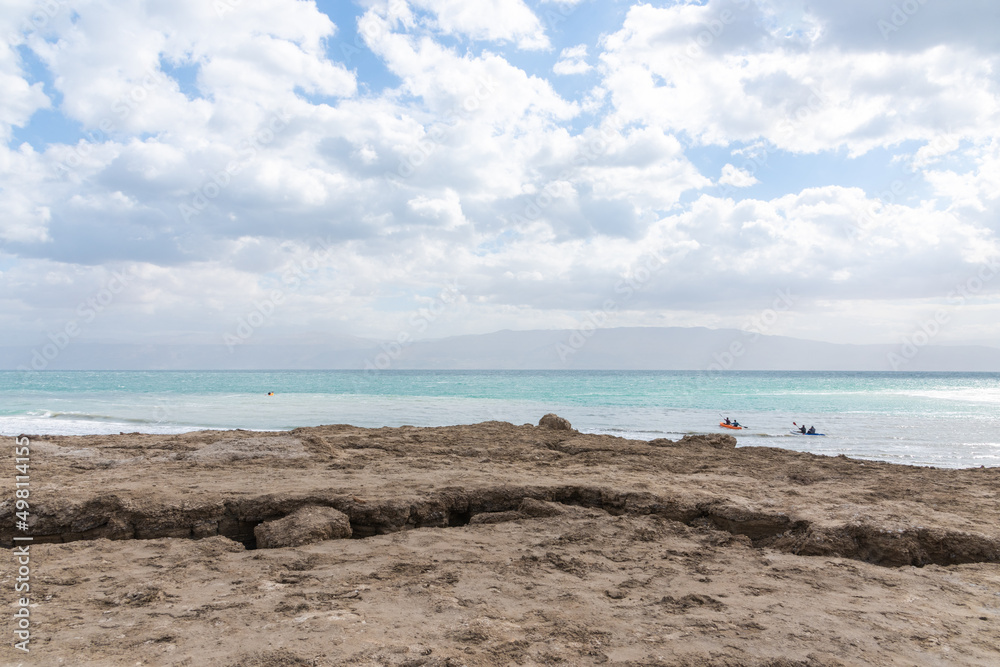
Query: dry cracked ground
(495, 544)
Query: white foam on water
(49, 425)
(984, 395)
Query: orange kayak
(735, 428)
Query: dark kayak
(801, 433)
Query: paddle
(799, 430)
(723, 417)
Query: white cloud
(894, 251)
(645, 167)
(665, 68)
(489, 20)
(451, 85)
(572, 60)
(249, 62)
(26, 210)
(977, 190)
(445, 210)
(20, 98)
(736, 177)
(478, 166)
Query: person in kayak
(812, 429)
(736, 424)
(728, 423)
(802, 429)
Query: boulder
(540, 508)
(496, 517)
(528, 509)
(304, 526)
(555, 422)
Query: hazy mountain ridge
(627, 348)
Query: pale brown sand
(624, 552)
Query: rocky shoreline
(496, 544)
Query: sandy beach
(496, 544)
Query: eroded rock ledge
(295, 520)
(287, 489)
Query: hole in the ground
(459, 518)
(249, 541)
(361, 531)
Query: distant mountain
(676, 348)
(634, 348)
(90, 356)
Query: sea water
(938, 419)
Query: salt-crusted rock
(304, 526)
(528, 509)
(555, 422)
(497, 517)
(541, 508)
(717, 440)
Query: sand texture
(495, 544)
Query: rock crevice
(279, 521)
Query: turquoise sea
(939, 419)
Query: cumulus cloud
(977, 189)
(489, 20)
(20, 99)
(572, 61)
(736, 177)
(147, 139)
(689, 67)
(217, 152)
(445, 210)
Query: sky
(282, 171)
